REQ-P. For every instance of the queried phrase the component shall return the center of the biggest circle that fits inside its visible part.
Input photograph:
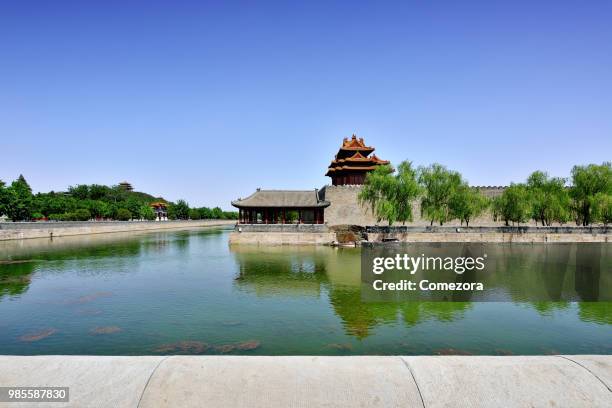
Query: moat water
(188, 292)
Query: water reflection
(520, 271)
(92, 255)
(307, 271)
(15, 277)
(512, 272)
(183, 292)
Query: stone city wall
(26, 230)
(346, 210)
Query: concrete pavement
(310, 381)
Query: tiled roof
(282, 199)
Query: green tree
(98, 208)
(390, 196)
(178, 210)
(587, 182)
(99, 192)
(194, 214)
(467, 203)
(82, 214)
(230, 215)
(20, 206)
(133, 204)
(147, 213)
(80, 192)
(513, 205)
(217, 213)
(123, 214)
(406, 191)
(6, 198)
(205, 213)
(549, 199)
(377, 192)
(439, 185)
(601, 205)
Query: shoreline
(262, 381)
(349, 235)
(10, 231)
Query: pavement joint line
(144, 389)
(413, 379)
(591, 372)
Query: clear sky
(208, 101)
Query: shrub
(82, 214)
(147, 213)
(194, 214)
(123, 214)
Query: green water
(188, 292)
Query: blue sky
(208, 101)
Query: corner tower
(352, 162)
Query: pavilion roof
(359, 158)
(355, 143)
(282, 199)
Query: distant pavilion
(160, 209)
(282, 207)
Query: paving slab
(600, 366)
(217, 381)
(512, 381)
(94, 381)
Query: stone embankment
(353, 235)
(26, 230)
(488, 234)
(310, 381)
(282, 234)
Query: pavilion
(353, 162)
(281, 207)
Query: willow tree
(439, 185)
(390, 195)
(467, 203)
(513, 205)
(602, 208)
(550, 200)
(588, 181)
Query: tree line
(85, 202)
(585, 198)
